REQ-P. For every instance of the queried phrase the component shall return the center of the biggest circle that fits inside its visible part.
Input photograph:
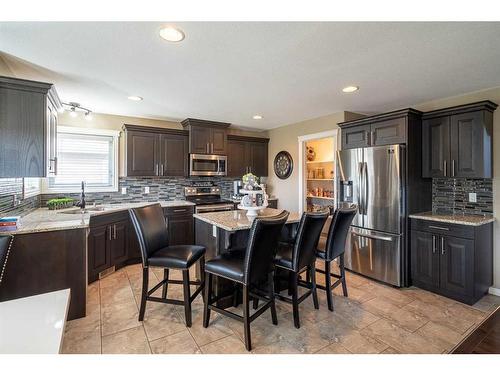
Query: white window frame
(89, 131)
(31, 193)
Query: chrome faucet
(81, 203)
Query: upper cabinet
(379, 130)
(28, 128)
(155, 151)
(458, 141)
(247, 155)
(206, 137)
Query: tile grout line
(100, 314)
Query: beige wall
(286, 138)
(114, 122)
(494, 96)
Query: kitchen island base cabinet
(46, 262)
(453, 260)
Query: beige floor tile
(117, 294)
(119, 317)
(395, 296)
(118, 278)
(355, 294)
(228, 345)
(131, 341)
(440, 314)
(359, 344)
(390, 350)
(178, 343)
(216, 330)
(441, 336)
(83, 336)
(399, 338)
(353, 312)
(161, 320)
(93, 296)
(334, 348)
(384, 307)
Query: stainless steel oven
(207, 165)
(207, 197)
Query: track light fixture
(74, 108)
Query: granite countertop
(473, 220)
(238, 220)
(45, 220)
(234, 200)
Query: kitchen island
(222, 231)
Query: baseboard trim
(494, 291)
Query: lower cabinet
(452, 260)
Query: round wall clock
(283, 165)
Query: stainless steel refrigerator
(373, 178)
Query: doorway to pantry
(317, 188)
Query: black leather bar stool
(151, 229)
(248, 267)
(335, 248)
(299, 256)
(5, 247)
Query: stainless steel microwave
(207, 165)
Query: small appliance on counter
(237, 187)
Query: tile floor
(374, 319)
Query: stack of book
(8, 223)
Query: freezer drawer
(374, 254)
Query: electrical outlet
(472, 197)
(124, 190)
(146, 189)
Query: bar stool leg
(165, 286)
(144, 293)
(295, 301)
(342, 275)
(187, 294)
(270, 281)
(208, 294)
(313, 286)
(246, 317)
(328, 286)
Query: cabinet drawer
(108, 219)
(180, 210)
(455, 230)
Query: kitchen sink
(79, 211)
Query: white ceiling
(286, 72)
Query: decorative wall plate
(283, 164)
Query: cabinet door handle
(156, 169)
(445, 168)
(453, 168)
(55, 165)
(162, 170)
(208, 149)
(109, 232)
(372, 138)
(180, 210)
(436, 227)
(442, 245)
(212, 148)
(433, 244)
(114, 231)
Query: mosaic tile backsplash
(11, 190)
(451, 196)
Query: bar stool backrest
(262, 246)
(304, 251)
(337, 234)
(151, 229)
(5, 246)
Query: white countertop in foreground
(238, 220)
(34, 325)
(45, 220)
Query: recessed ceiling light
(135, 98)
(350, 88)
(257, 117)
(172, 34)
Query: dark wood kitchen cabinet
(28, 128)
(451, 259)
(180, 225)
(153, 151)
(109, 243)
(247, 154)
(206, 137)
(458, 141)
(379, 130)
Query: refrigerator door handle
(365, 190)
(372, 236)
(360, 195)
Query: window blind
(84, 157)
